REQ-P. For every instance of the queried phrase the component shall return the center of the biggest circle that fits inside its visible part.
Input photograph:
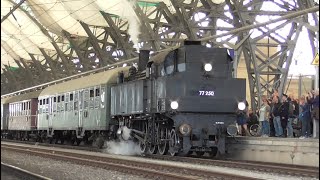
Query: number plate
(206, 93)
(219, 122)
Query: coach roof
(109, 76)
(21, 97)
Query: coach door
(52, 110)
(80, 114)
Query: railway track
(21, 173)
(293, 170)
(146, 169)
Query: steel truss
(166, 25)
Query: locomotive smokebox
(143, 59)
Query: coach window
(47, 105)
(26, 108)
(62, 103)
(43, 109)
(40, 106)
(102, 97)
(96, 101)
(66, 102)
(54, 104)
(29, 108)
(91, 101)
(19, 109)
(81, 99)
(58, 103)
(23, 108)
(16, 109)
(46, 102)
(10, 110)
(71, 102)
(43, 105)
(76, 98)
(12, 106)
(86, 99)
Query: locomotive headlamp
(232, 130)
(174, 105)
(207, 67)
(185, 129)
(241, 106)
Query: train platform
(275, 150)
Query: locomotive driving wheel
(143, 147)
(152, 149)
(173, 142)
(199, 153)
(213, 152)
(163, 145)
(152, 146)
(143, 144)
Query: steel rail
(307, 171)
(149, 169)
(16, 171)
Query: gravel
(60, 169)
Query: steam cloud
(126, 133)
(134, 24)
(123, 147)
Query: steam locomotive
(180, 101)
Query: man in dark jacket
(313, 98)
(291, 117)
(276, 115)
(284, 113)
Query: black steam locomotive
(186, 102)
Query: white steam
(124, 146)
(134, 24)
(126, 133)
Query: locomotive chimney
(189, 42)
(143, 59)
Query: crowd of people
(285, 117)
